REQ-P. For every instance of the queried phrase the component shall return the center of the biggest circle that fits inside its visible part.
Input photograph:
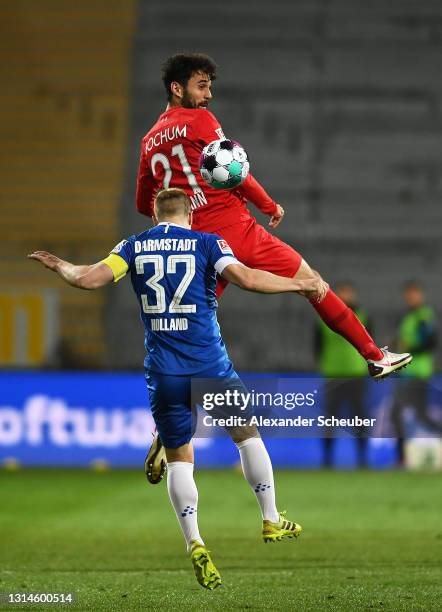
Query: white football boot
(391, 362)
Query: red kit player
(170, 153)
(169, 158)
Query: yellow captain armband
(117, 264)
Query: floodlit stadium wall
(103, 419)
(63, 128)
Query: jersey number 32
(152, 282)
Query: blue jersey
(173, 272)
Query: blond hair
(171, 202)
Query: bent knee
(317, 275)
(241, 433)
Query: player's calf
(342, 320)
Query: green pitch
(371, 541)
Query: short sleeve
(207, 127)
(125, 250)
(219, 253)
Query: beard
(189, 102)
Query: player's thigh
(170, 401)
(234, 235)
(224, 381)
(263, 251)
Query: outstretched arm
(83, 277)
(261, 281)
(251, 190)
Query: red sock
(342, 320)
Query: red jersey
(170, 153)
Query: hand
(276, 219)
(47, 259)
(313, 288)
(320, 290)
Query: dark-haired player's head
(347, 292)
(187, 78)
(413, 294)
(173, 205)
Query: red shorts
(256, 248)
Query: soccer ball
(224, 164)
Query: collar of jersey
(173, 224)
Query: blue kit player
(173, 272)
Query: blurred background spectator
(346, 374)
(417, 334)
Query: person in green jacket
(417, 333)
(345, 371)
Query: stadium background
(338, 104)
